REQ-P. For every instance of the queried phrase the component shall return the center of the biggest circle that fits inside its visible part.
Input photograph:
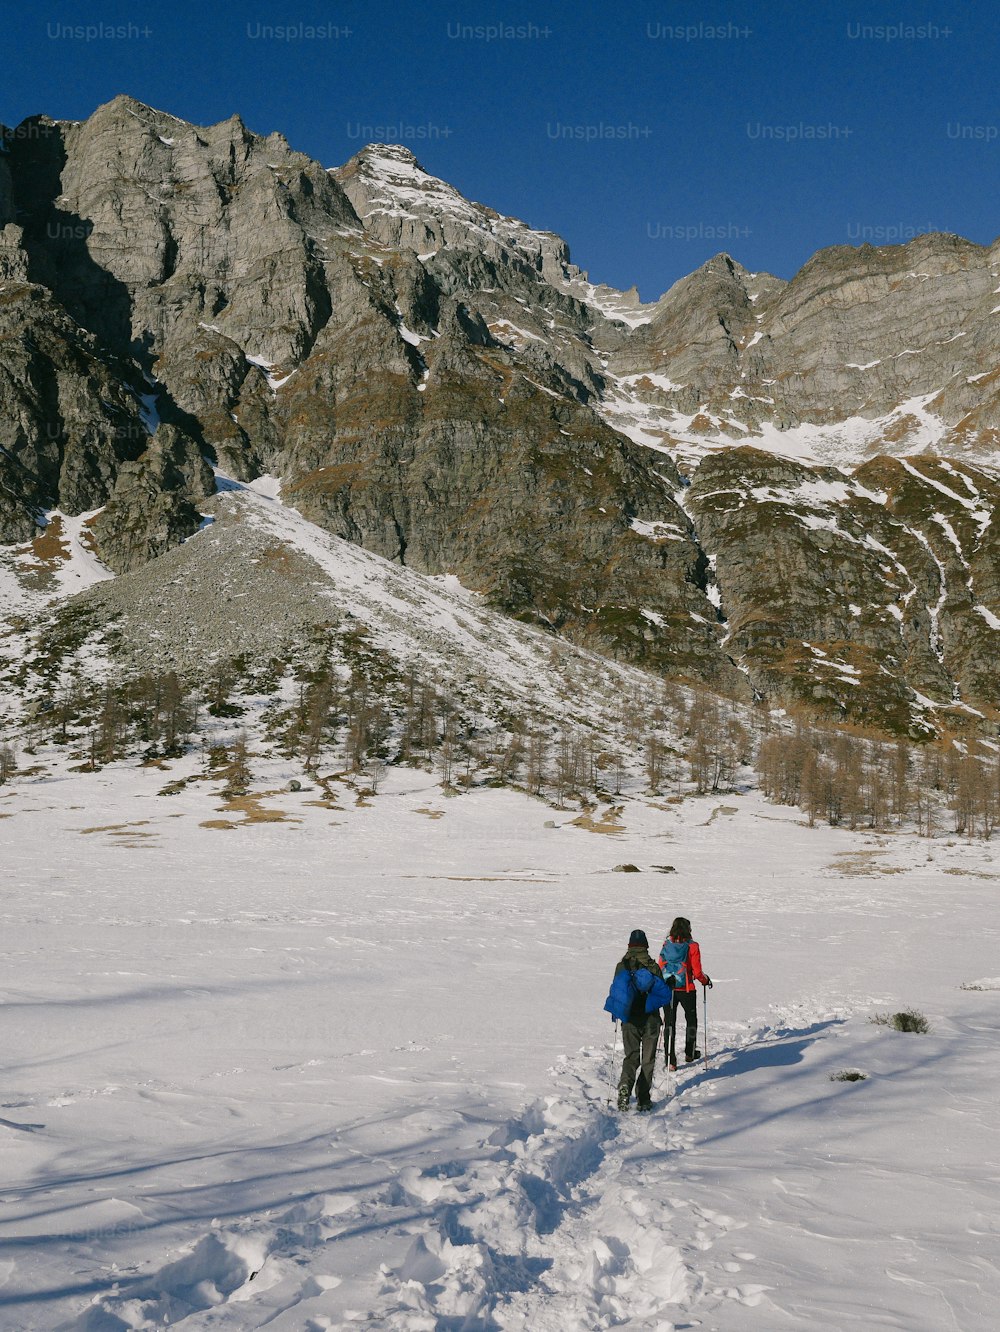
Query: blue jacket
(634, 979)
(661, 995)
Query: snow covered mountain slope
(263, 586)
(291, 1071)
(874, 590)
(866, 351)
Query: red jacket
(692, 969)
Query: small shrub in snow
(625, 869)
(907, 1020)
(849, 1075)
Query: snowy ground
(360, 1053)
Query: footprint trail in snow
(578, 1221)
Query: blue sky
(650, 136)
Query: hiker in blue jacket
(640, 1029)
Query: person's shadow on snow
(779, 1050)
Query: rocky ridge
(705, 485)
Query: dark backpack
(641, 979)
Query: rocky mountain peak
(388, 176)
(384, 159)
(125, 103)
(405, 207)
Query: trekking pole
(614, 1055)
(704, 998)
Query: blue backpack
(674, 962)
(627, 986)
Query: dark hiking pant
(688, 1000)
(640, 1054)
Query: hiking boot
(690, 1058)
(623, 1098)
(645, 1106)
(672, 1065)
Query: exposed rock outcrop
(154, 505)
(69, 418)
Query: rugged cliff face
(780, 487)
(862, 595)
(69, 414)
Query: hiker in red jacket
(680, 957)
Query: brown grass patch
(49, 547)
(280, 558)
(218, 823)
(329, 800)
(329, 480)
(900, 429)
(117, 827)
(862, 864)
(87, 538)
(431, 813)
(969, 874)
(608, 824)
(253, 811)
(726, 811)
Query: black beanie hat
(637, 940)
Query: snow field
(351, 1070)
(601, 1220)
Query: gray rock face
(439, 383)
(68, 419)
(436, 222)
(153, 506)
(143, 223)
(860, 331)
(13, 263)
